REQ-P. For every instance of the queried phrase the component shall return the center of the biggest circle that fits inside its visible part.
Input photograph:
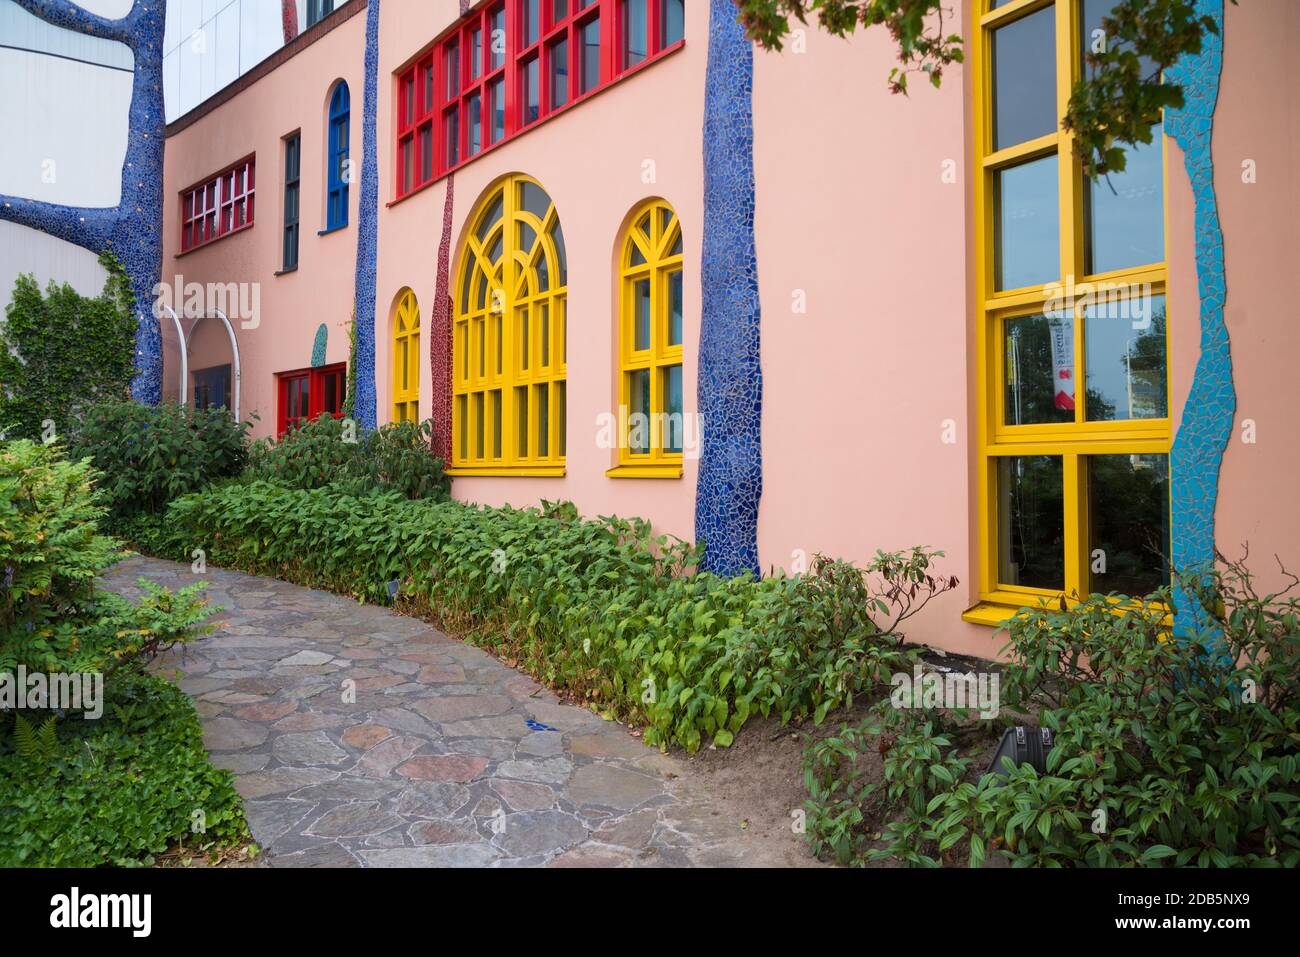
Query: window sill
(519, 471)
(996, 613)
(667, 470)
(333, 229)
(989, 614)
(285, 272)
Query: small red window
(309, 393)
(215, 207)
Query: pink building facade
(875, 358)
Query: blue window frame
(339, 130)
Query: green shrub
(62, 351)
(117, 790)
(51, 616)
(602, 609)
(149, 455)
(1180, 750)
(330, 451)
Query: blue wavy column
(730, 392)
(368, 230)
(131, 230)
(1207, 418)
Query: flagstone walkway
(360, 737)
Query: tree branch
(84, 226)
(72, 16)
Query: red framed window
(306, 394)
(218, 206)
(512, 63)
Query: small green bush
(329, 451)
(602, 609)
(1168, 750)
(149, 455)
(117, 790)
(52, 618)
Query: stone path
(362, 737)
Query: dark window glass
(1124, 213)
(531, 91)
(531, 18)
(474, 123)
(292, 166)
(426, 152)
(1039, 368)
(559, 56)
(1127, 368)
(497, 43)
(589, 70)
(1128, 513)
(1024, 79)
(635, 32)
(672, 21)
(453, 68)
(1027, 224)
(559, 10)
(497, 100)
(476, 53)
(453, 136)
(1031, 521)
(672, 388)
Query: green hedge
(601, 609)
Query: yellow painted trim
(509, 347)
(518, 471)
(1073, 441)
(406, 359)
(665, 470)
(653, 230)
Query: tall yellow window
(650, 418)
(1072, 376)
(508, 347)
(406, 359)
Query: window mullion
(1068, 166)
(1075, 501)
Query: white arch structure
(185, 354)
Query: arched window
(650, 343)
(509, 341)
(336, 215)
(406, 359)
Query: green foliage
(350, 399)
(1168, 750)
(601, 609)
(61, 350)
(51, 551)
(327, 451)
(117, 790)
(1118, 101)
(37, 743)
(149, 455)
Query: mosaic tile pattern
(318, 346)
(440, 333)
(368, 230)
(730, 390)
(1208, 415)
(132, 230)
(289, 18)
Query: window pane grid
(1073, 368)
(221, 205)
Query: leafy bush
(51, 616)
(1183, 750)
(149, 455)
(117, 790)
(330, 451)
(61, 351)
(601, 609)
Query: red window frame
(289, 395)
(444, 81)
(219, 205)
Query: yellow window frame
(509, 362)
(406, 359)
(655, 232)
(1072, 442)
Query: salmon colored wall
(1256, 120)
(321, 290)
(852, 212)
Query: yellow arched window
(406, 359)
(508, 350)
(650, 344)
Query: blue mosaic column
(1206, 424)
(368, 230)
(131, 230)
(730, 391)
